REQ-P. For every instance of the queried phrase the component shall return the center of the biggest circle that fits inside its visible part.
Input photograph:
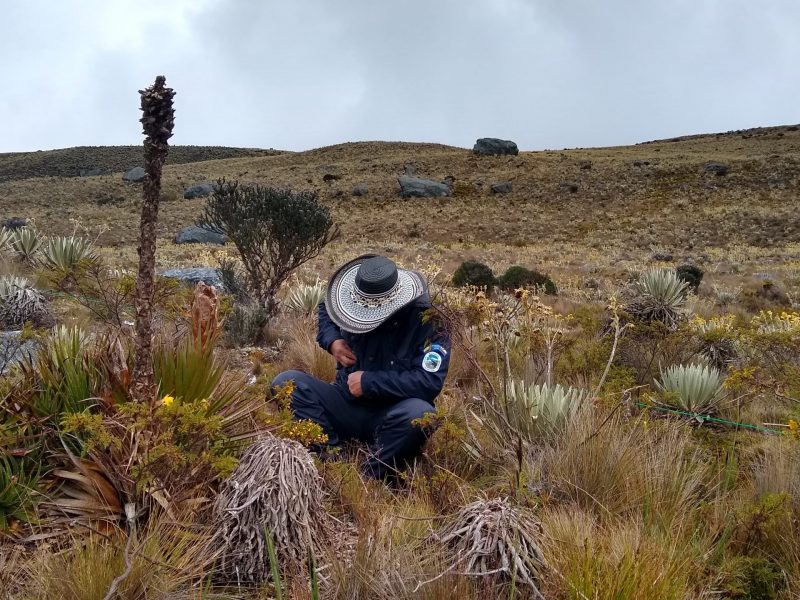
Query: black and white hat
(368, 290)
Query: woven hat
(368, 290)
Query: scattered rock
(134, 175)
(197, 235)
(104, 199)
(717, 168)
(495, 147)
(663, 257)
(504, 187)
(641, 163)
(585, 165)
(709, 186)
(330, 178)
(566, 186)
(362, 189)
(191, 276)
(450, 181)
(776, 183)
(414, 187)
(15, 223)
(93, 172)
(409, 170)
(14, 350)
(199, 191)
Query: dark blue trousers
(386, 427)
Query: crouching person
(391, 359)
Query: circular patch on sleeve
(431, 362)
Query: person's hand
(354, 383)
(343, 354)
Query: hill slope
(636, 197)
(74, 162)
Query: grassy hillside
(74, 162)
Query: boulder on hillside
(717, 168)
(13, 349)
(414, 187)
(504, 187)
(199, 191)
(495, 147)
(585, 165)
(362, 189)
(191, 276)
(15, 223)
(197, 235)
(134, 175)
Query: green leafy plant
(661, 297)
(274, 230)
(540, 411)
(693, 388)
(18, 483)
(66, 254)
(6, 236)
(25, 243)
(304, 299)
(475, 274)
(517, 277)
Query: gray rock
(502, 188)
(414, 187)
(15, 223)
(661, 257)
(495, 147)
(585, 165)
(362, 189)
(197, 235)
(134, 175)
(567, 186)
(13, 350)
(641, 163)
(717, 168)
(199, 191)
(192, 275)
(93, 172)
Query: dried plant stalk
(276, 490)
(494, 538)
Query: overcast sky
(299, 74)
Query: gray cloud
(308, 73)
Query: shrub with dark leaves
(474, 273)
(519, 277)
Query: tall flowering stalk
(158, 119)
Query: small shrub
(245, 325)
(474, 273)
(304, 299)
(67, 254)
(274, 230)
(692, 275)
(519, 277)
(693, 388)
(662, 297)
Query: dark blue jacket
(406, 357)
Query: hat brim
(355, 317)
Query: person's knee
(413, 409)
(285, 377)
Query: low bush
(475, 274)
(520, 277)
(692, 275)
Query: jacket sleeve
(327, 331)
(424, 378)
